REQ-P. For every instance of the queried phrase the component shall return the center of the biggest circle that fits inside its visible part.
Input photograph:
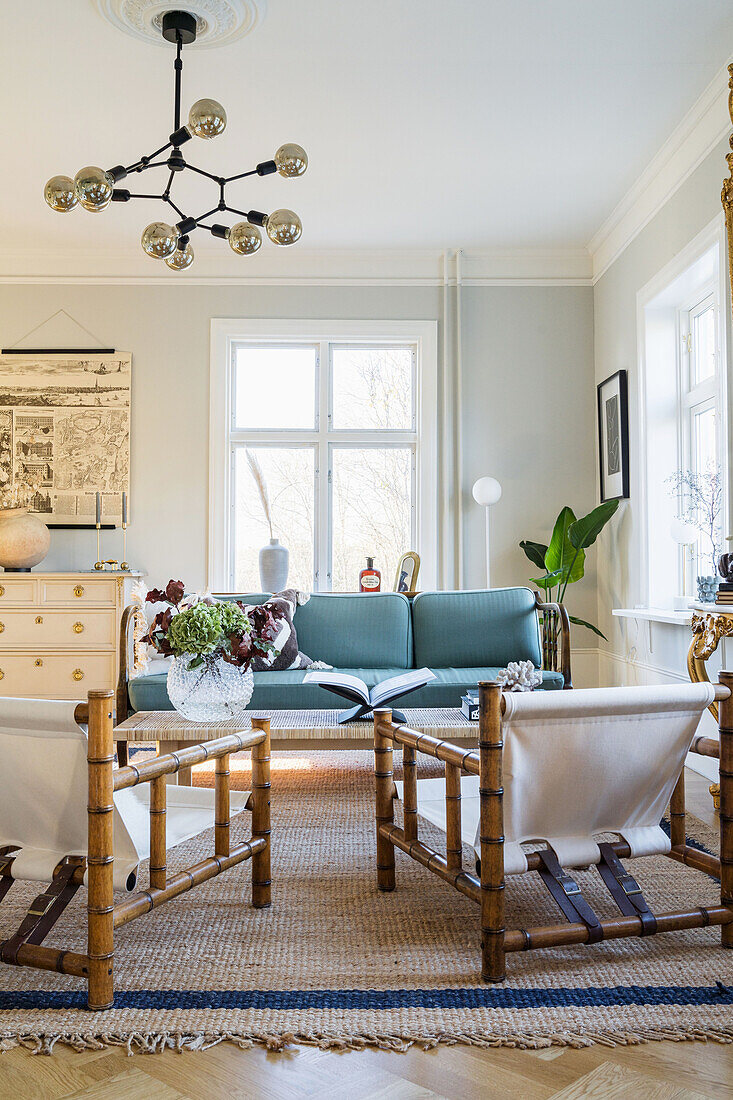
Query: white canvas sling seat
(580, 763)
(43, 796)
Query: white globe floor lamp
(487, 491)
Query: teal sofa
(463, 637)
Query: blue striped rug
(334, 962)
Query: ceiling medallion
(95, 188)
(218, 22)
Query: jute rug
(335, 963)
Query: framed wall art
(613, 437)
(65, 427)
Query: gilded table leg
(707, 630)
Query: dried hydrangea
(519, 676)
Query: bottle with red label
(370, 579)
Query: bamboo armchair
(486, 887)
(96, 866)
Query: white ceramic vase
(274, 562)
(24, 539)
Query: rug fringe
(155, 1042)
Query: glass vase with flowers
(213, 644)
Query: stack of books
(725, 592)
(469, 706)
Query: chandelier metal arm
(208, 214)
(177, 209)
(241, 176)
(201, 172)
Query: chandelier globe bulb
(60, 194)
(180, 259)
(207, 119)
(159, 240)
(244, 239)
(291, 160)
(93, 188)
(283, 227)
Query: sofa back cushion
(351, 630)
(481, 628)
(365, 630)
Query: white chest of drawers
(59, 632)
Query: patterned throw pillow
(286, 654)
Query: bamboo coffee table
(289, 729)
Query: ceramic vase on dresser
(59, 632)
(24, 539)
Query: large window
(337, 421)
(682, 404)
(700, 442)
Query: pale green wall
(639, 651)
(687, 212)
(527, 406)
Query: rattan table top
(296, 725)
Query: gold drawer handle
(39, 662)
(78, 627)
(2, 589)
(2, 674)
(2, 627)
(78, 589)
(39, 620)
(77, 674)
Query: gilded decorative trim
(707, 630)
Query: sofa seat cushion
(286, 690)
(273, 690)
(451, 683)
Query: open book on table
(354, 688)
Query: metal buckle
(569, 885)
(46, 901)
(629, 885)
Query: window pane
(289, 474)
(372, 388)
(703, 436)
(275, 388)
(703, 340)
(704, 452)
(371, 514)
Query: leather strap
(45, 910)
(6, 862)
(625, 890)
(566, 893)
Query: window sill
(655, 615)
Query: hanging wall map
(65, 424)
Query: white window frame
(226, 333)
(661, 311)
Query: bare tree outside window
(340, 491)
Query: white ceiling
(478, 124)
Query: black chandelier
(94, 188)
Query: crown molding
(702, 128)
(299, 267)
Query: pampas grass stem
(259, 479)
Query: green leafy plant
(564, 558)
(201, 627)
